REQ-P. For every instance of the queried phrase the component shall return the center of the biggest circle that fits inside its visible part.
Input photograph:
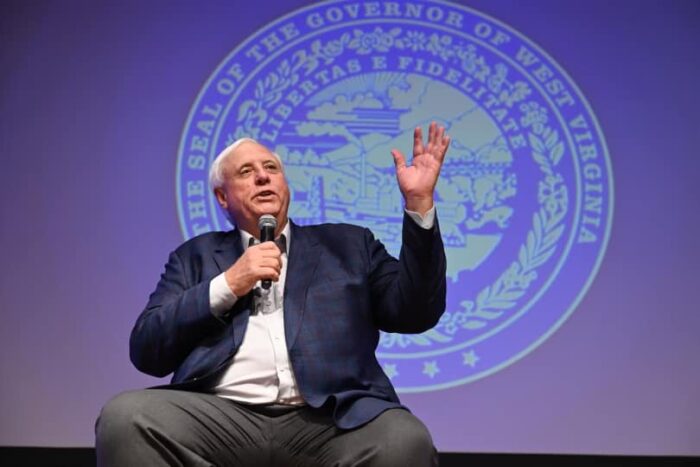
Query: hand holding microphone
(261, 262)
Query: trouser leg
(395, 438)
(157, 427)
(160, 427)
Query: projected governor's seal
(525, 196)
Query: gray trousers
(157, 427)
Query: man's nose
(261, 176)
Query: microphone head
(267, 220)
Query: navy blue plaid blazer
(342, 287)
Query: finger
(417, 141)
(263, 252)
(268, 247)
(440, 135)
(271, 259)
(268, 273)
(263, 270)
(436, 143)
(446, 144)
(272, 263)
(432, 132)
(399, 159)
(445, 139)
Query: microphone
(267, 224)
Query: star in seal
(431, 368)
(470, 358)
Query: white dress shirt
(260, 372)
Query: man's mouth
(265, 194)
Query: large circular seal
(525, 198)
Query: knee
(120, 415)
(407, 443)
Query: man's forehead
(250, 151)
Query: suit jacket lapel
(225, 254)
(228, 250)
(303, 259)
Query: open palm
(417, 181)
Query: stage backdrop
(567, 202)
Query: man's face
(254, 185)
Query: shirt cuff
(221, 297)
(427, 221)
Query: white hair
(216, 171)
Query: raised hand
(258, 262)
(417, 181)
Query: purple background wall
(93, 98)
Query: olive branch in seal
(540, 244)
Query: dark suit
(342, 287)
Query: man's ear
(221, 197)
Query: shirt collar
(287, 232)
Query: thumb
(399, 159)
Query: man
(284, 375)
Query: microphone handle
(267, 234)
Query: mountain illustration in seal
(340, 168)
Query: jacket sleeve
(408, 295)
(176, 319)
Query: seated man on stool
(282, 375)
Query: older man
(284, 375)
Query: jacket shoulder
(335, 229)
(203, 242)
(335, 232)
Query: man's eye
(246, 171)
(272, 167)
